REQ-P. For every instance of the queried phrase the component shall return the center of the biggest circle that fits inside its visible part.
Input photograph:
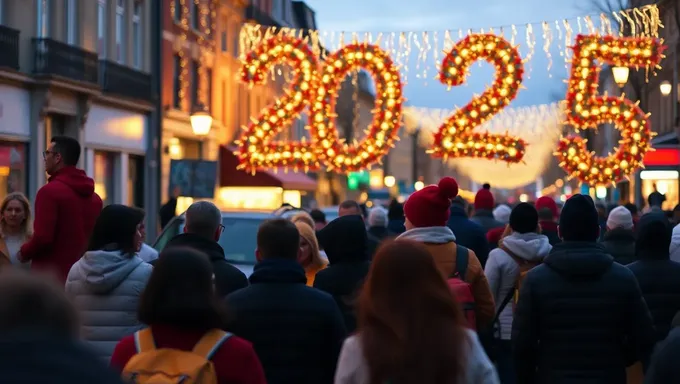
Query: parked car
(239, 238)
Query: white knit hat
(502, 213)
(620, 217)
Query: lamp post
(620, 75)
(389, 181)
(201, 121)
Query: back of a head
(620, 217)
(278, 238)
(524, 218)
(377, 217)
(579, 220)
(68, 148)
(33, 304)
(318, 216)
(654, 234)
(404, 292)
(180, 292)
(396, 210)
(203, 218)
(344, 237)
(303, 217)
(502, 213)
(116, 225)
(350, 207)
(632, 208)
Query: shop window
(664, 182)
(104, 176)
(12, 168)
(135, 182)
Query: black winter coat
(485, 218)
(620, 244)
(580, 319)
(227, 277)
(468, 233)
(344, 240)
(664, 368)
(297, 331)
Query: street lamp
(666, 88)
(418, 185)
(201, 121)
(389, 181)
(620, 75)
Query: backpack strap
(211, 342)
(144, 340)
(462, 256)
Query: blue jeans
(505, 363)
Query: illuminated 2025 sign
(315, 86)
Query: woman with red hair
(411, 330)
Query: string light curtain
(540, 126)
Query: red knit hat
(484, 198)
(547, 202)
(430, 207)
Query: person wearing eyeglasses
(202, 230)
(66, 209)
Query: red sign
(662, 157)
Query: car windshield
(239, 239)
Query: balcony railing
(9, 46)
(124, 81)
(54, 58)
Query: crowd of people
(429, 291)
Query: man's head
(278, 238)
(620, 217)
(63, 151)
(579, 220)
(349, 207)
(547, 208)
(633, 209)
(204, 219)
(377, 217)
(319, 219)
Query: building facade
(77, 68)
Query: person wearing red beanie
(427, 212)
(484, 205)
(548, 213)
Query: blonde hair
(303, 217)
(27, 225)
(309, 235)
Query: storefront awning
(231, 177)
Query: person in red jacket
(66, 209)
(180, 306)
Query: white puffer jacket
(502, 271)
(105, 286)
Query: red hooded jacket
(66, 209)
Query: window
(178, 10)
(43, 18)
(195, 14)
(194, 84)
(72, 22)
(101, 28)
(236, 41)
(137, 42)
(223, 41)
(224, 102)
(176, 85)
(104, 176)
(120, 31)
(208, 97)
(13, 165)
(135, 182)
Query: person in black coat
(658, 276)
(202, 229)
(580, 317)
(344, 240)
(468, 233)
(352, 208)
(297, 331)
(664, 368)
(395, 217)
(619, 240)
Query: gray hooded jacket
(105, 287)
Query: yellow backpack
(174, 366)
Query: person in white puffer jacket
(522, 242)
(675, 244)
(105, 284)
